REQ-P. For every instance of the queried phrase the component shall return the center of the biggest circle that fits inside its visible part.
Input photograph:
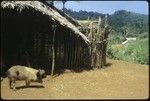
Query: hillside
(83, 15)
(128, 24)
(119, 79)
(122, 22)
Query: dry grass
(86, 23)
(120, 79)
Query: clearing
(119, 80)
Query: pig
(20, 73)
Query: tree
(64, 1)
(50, 2)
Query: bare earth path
(119, 80)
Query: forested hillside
(122, 22)
(83, 15)
(128, 23)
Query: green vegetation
(136, 51)
(128, 24)
(123, 24)
(143, 35)
(115, 39)
(133, 51)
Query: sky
(106, 7)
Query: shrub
(115, 39)
(143, 35)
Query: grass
(135, 51)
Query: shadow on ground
(77, 70)
(60, 70)
(32, 86)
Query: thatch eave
(46, 10)
(69, 18)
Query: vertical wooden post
(98, 44)
(104, 43)
(91, 31)
(99, 29)
(105, 37)
(88, 18)
(53, 48)
(101, 51)
(91, 48)
(75, 54)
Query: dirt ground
(119, 80)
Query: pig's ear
(17, 73)
(38, 74)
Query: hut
(35, 34)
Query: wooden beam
(53, 48)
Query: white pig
(18, 73)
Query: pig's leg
(27, 83)
(10, 82)
(14, 85)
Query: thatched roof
(69, 18)
(52, 13)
